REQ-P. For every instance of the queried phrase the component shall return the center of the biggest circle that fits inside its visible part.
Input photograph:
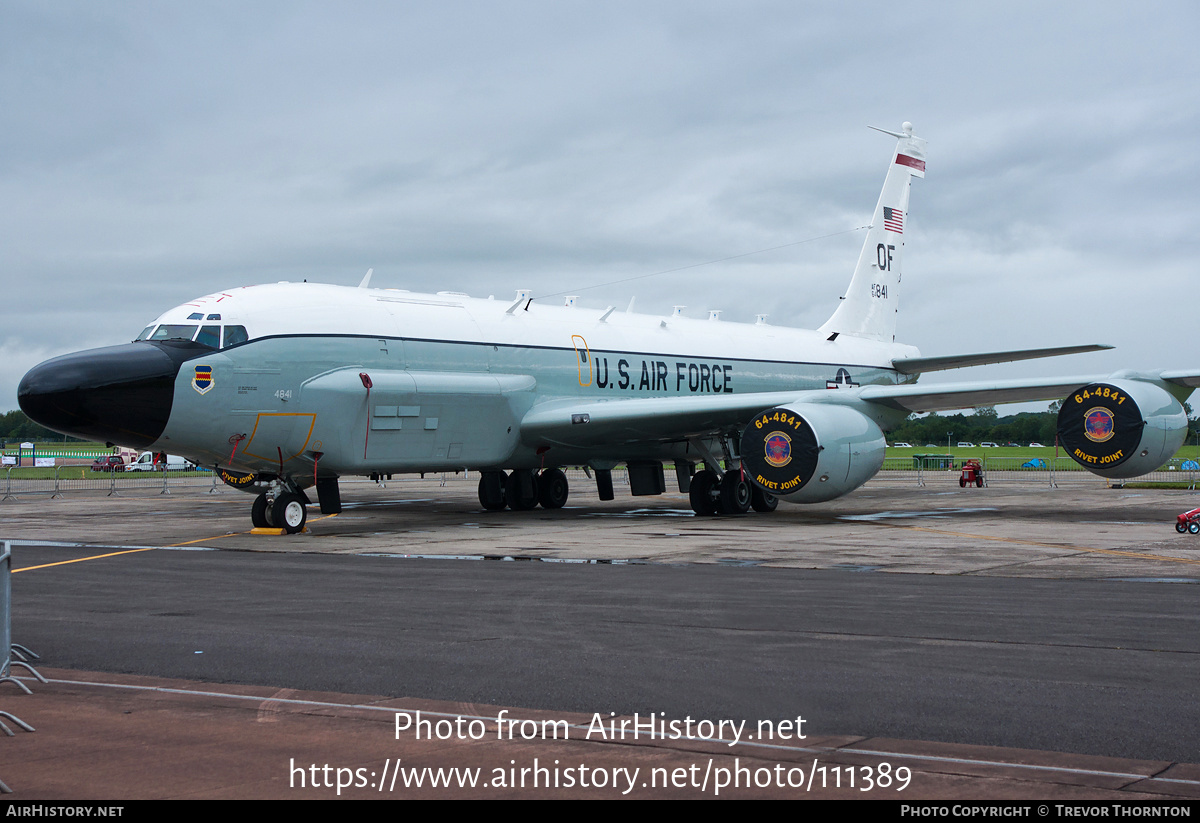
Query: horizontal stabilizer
(920, 365)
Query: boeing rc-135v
(290, 386)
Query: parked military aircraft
(290, 386)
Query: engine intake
(809, 453)
(1121, 428)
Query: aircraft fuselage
(451, 377)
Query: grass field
(85, 473)
(1022, 452)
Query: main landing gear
(731, 494)
(523, 489)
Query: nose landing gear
(280, 509)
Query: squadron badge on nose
(202, 381)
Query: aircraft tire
(1181, 528)
(553, 489)
(735, 493)
(762, 501)
(491, 499)
(1194, 527)
(258, 512)
(521, 489)
(704, 483)
(289, 513)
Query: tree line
(15, 427)
(984, 425)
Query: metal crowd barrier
(80, 478)
(1050, 471)
(9, 649)
(1047, 470)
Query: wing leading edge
(920, 365)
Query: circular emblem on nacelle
(777, 449)
(1098, 424)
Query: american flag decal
(893, 220)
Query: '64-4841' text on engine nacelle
(1121, 428)
(811, 452)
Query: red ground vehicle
(1188, 522)
(972, 472)
(108, 463)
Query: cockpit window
(196, 316)
(145, 335)
(214, 317)
(168, 331)
(235, 335)
(209, 336)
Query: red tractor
(972, 473)
(1188, 522)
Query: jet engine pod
(808, 453)
(1121, 428)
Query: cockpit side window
(145, 335)
(209, 336)
(234, 335)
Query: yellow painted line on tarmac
(135, 551)
(1059, 546)
(81, 559)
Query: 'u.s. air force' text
(657, 375)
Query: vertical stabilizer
(870, 305)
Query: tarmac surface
(1010, 642)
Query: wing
(660, 419)
(653, 419)
(943, 397)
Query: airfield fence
(19, 482)
(1049, 471)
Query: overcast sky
(154, 152)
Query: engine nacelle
(811, 452)
(1121, 428)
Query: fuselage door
(584, 359)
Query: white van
(154, 462)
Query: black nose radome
(118, 394)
